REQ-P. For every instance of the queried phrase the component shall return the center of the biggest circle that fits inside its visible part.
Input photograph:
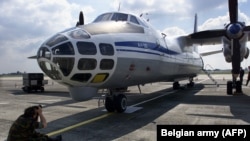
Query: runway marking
(3, 103)
(130, 109)
(78, 125)
(153, 98)
(50, 100)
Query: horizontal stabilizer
(210, 53)
(32, 57)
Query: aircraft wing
(207, 37)
(211, 53)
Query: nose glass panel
(56, 39)
(44, 53)
(64, 49)
(50, 70)
(64, 64)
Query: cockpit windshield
(103, 17)
(116, 16)
(119, 17)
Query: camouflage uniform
(23, 129)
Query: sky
(25, 25)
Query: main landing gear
(115, 102)
(234, 84)
(176, 85)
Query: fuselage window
(106, 64)
(65, 64)
(134, 20)
(119, 17)
(103, 17)
(64, 49)
(87, 64)
(106, 49)
(86, 48)
(81, 77)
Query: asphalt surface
(157, 104)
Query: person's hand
(39, 110)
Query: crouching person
(24, 127)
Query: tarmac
(157, 104)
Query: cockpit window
(134, 20)
(119, 17)
(56, 39)
(143, 23)
(103, 17)
(64, 49)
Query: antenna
(195, 23)
(119, 6)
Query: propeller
(233, 31)
(81, 19)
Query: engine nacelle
(234, 30)
(82, 93)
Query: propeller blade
(81, 19)
(233, 10)
(235, 46)
(208, 34)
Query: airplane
(118, 50)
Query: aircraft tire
(238, 87)
(42, 89)
(229, 87)
(176, 85)
(190, 85)
(109, 104)
(120, 103)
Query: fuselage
(116, 50)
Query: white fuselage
(118, 55)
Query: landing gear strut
(115, 102)
(191, 83)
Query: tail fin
(195, 30)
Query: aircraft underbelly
(131, 71)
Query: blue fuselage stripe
(145, 45)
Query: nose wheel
(115, 102)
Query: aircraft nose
(73, 57)
(56, 57)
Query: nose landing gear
(115, 102)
